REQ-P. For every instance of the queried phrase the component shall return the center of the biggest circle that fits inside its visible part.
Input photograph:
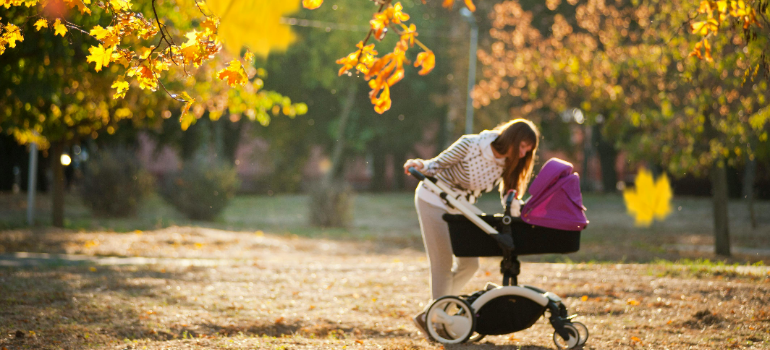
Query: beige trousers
(448, 274)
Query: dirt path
(232, 290)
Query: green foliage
(202, 189)
(114, 183)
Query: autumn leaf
(240, 20)
(650, 199)
(41, 23)
(233, 73)
(59, 28)
(468, 3)
(122, 87)
(100, 56)
(427, 60)
(12, 35)
(187, 119)
(312, 4)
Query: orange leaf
(635, 340)
(312, 4)
(469, 4)
(427, 60)
(233, 73)
(382, 103)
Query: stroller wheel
(450, 320)
(582, 333)
(571, 341)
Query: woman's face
(525, 147)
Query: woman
(475, 164)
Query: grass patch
(702, 268)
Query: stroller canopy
(556, 200)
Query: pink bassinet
(555, 200)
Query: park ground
(261, 278)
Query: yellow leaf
(233, 73)
(11, 36)
(100, 56)
(122, 87)
(120, 5)
(41, 23)
(187, 119)
(584, 298)
(312, 4)
(248, 56)
(240, 19)
(59, 28)
(93, 269)
(632, 302)
(650, 199)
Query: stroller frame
(497, 309)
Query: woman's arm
(451, 156)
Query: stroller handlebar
(417, 174)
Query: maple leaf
(383, 102)
(108, 36)
(187, 119)
(59, 28)
(233, 73)
(312, 4)
(650, 199)
(427, 60)
(80, 4)
(41, 23)
(120, 5)
(12, 35)
(240, 19)
(122, 87)
(100, 55)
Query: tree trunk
(607, 157)
(720, 197)
(379, 164)
(339, 147)
(57, 148)
(750, 173)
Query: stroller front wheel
(570, 342)
(450, 320)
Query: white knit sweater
(469, 166)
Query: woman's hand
(412, 163)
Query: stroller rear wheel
(571, 341)
(450, 320)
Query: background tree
(628, 61)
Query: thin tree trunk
(340, 145)
(750, 173)
(720, 197)
(379, 164)
(57, 148)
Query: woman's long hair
(518, 171)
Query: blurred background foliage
(611, 85)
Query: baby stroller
(550, 222)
